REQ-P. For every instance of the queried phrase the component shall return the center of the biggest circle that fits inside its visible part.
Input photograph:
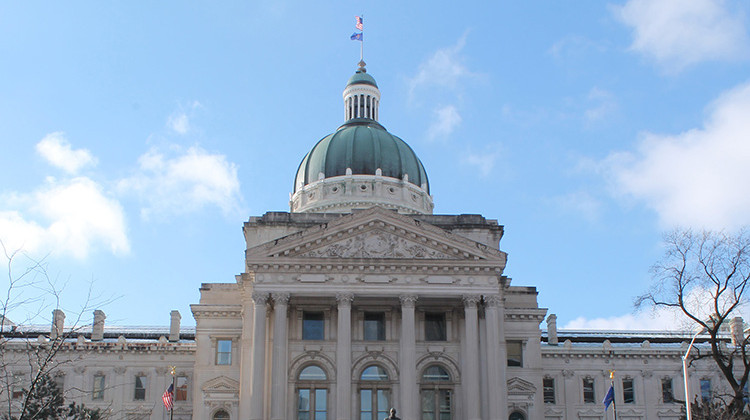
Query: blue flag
(357, 36)
(609, 398)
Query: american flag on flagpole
(359, 25)
(167, 397)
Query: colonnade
(253, 367)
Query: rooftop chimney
(174, 326)
(552, 330)
(738, 331)
(58, 323)
(97, 330)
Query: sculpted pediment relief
(375, 234)
(377, 244)
(221, 384)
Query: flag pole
(171, 410)
(362, 44)
(614, 399)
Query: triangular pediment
(375, 233)
(221, 384)
(520, 386)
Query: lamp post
(685, 373)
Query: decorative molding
(260, 298)
(344, 299)
(120, 370)
(378, 244)
(493, 301)
(471, 301)
(280, 298)
(408, 301)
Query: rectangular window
(549, 390)
(589, 396)
(181, 388)
(706, 390)
(313, 326)
(666, 390)
(515, 353)
(434, 327)
(312, 404)
(628, 391)
(224, 352)
(374, 326)
(140, 388)
(98, 389)
(59, 380)
(16, 392)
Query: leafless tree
(26, 361)
(705, 275)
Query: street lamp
(685, 372)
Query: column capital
(280, 298)
(344, 298)
(470, 301)
(493, 301)
(408, 301)
(260, 298)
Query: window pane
(374, 326)
(588, 391)
(224, 352)
(312, 373)
(515, 353)
(383, 404)
(366, 400)
(428, 404)
(304, 400)
(666, 390)
(140, 388)
(98, 392)
(321, 404)
(549, 390)
(436, 373)
(706, 390)
(374, 373)
(434, 327)
(221, 415)
(628, 393)
(313, 326)
(445, 404)
(180, 394)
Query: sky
(135, 139)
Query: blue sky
(136, 139)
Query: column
(244, 353)
(279, 368)
(471, 375)
(407, 363)
(344, 357)
(496, 358)
(258, 362)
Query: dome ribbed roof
(364, 146)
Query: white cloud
(186, 182)
(602, 103)
(70, 217)
(580, 203)
(179, 121)
(697, 178)
(484, 162)
(56, 149)
(445, 120)
(445, 68)
(677, 33)
(642, 321)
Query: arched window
(374, 393)
(312, 394)
(516, 415)
(220, 415)
(436, 393)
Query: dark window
(628, 391)
(98, 389)
(549, 390)
(667, 394)
(220, 415)
(181, 390)
(60, 383)
(224, 352)
(374, 326)
(436, 394)
(706, 390)
(434, 327)
(589, 397)
(517, 415)
(313, 327)
(515, 353)
(140, 388)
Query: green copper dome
(365, 146)
(361, 77)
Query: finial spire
(361, 68)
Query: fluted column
(496, 358)
(245, 356)
(408, 350)
(471, 375)
(258, 362)
(344, 357)
(278, 372)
